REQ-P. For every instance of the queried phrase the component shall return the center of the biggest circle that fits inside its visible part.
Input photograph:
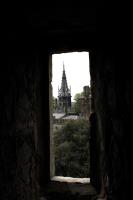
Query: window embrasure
(70, 107)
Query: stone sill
(70, 179)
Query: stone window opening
(83, 114)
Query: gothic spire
(64, 94)
(64, 73)
(64, 90)
(63, 67)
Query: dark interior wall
(111, 89)
(18, 125)
(24, 105)
(24, 117)
(24, 135)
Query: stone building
(84, 102)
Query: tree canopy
(72, 149)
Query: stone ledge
(70, 179)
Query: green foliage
(72, 149)
(76, 102)
(54, 103)
(78, 95)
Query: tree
(72, 149)
(54, 103)
(76, 102)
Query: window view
(71, 107)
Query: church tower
(64, 95)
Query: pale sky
(76, 68)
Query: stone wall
(24, 95)
(111, 84)
(19, 117)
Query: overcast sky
(76, 68)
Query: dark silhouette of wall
(24, 88)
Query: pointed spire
(64, 93)
(64, 73)
(63, 66)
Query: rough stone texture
(24, 93)
(57, 190)
(113, 116)
(17, 134)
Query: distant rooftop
(58, 115)
(74, 117)
(64, 116)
